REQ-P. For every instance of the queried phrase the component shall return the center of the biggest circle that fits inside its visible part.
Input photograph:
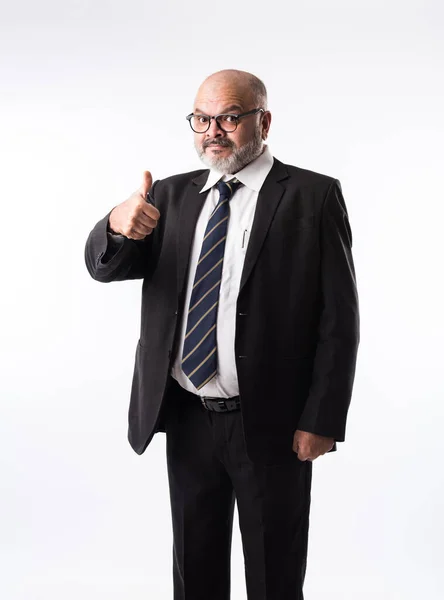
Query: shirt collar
(252, 176)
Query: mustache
(219, 142)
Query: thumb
(147, 182)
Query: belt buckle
(222, 407)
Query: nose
(214, 130)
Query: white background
(92, 94)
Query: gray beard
(239, 158)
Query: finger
(134, 236)
(301, 456)
(147, 182)
(136, 228)
(144, 221)
(137, 234)
(304, 454)
(141, 230)
(150, 211)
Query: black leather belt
(210, 402)
(220, 404)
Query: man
(248, 342)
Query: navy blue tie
(199, 358)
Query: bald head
(235, 84)
(227, 144)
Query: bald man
(248, 340)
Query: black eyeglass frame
(216, 117)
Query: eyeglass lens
(201, 123)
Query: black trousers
(208, 469)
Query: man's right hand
(135, 218)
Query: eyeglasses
(226, 122)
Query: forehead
(219, 96)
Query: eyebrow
(227, 110)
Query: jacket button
(242, 314)
(242, 356)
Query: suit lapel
(189, 211)
(268, 200)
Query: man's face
(228, 152)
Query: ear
(266, 122)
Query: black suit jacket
(297, 322)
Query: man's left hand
(309, 446)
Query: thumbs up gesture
(135, 218)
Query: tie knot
(227, 188)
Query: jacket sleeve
(111, 257)
(330, 393)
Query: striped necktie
(199, 358)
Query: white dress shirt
(242, 208)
